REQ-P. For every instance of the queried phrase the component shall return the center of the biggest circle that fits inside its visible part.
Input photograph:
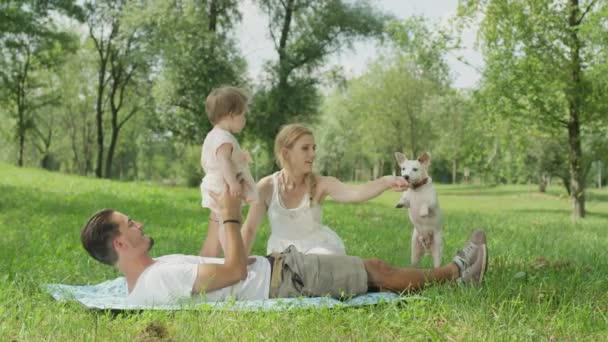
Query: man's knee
(376, 265)
(377, 272)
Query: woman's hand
(397, 183)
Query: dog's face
(413, 170)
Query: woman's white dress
(300, 226)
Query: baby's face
(238, 122)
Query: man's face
(132, 235)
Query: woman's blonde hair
(286, 139)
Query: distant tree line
(116, 89)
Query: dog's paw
(399, 205)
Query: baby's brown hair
(224, 101)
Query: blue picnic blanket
(112, 294)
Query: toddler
(222, 158)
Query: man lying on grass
(115, 239)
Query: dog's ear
(425, 159)
(401, 158)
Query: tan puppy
(424, 212)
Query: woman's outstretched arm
(347, 193)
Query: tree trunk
(99, 121)
(213, 14)
(542, 183)
(99, 117)
(599, 175)
(103, 49)
(22, 124)
(284, 69)
(87, 150)
(111, 150)
(45, 162)
(21, 147)
(577, 185)
(454, 171)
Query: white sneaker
(472, 260)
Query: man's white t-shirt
(171, 279)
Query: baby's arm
(224, 153)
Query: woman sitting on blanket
(292, 199)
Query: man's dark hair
(97, 236)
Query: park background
(509, 97)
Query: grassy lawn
(547, 279)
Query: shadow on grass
(497, 191)
(22, 200)
(482, 191)
(564, 213)
(597, 197)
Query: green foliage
(29, 16)
(193, 57)
(546, 276)
(274, 107)
(402, 103)
(544, 60)
(31, 46)
(425, 47)
(305, 33)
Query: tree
(305, 33)
(77, 115)
(122, 72)
(194, 52)
(128, 88)
(459, 123)
(30, 43)
(547, 156)
(543, 59)
(103, 19)
(392, 107)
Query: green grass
(547, 279)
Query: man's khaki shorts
(295, 274)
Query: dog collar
(421, 183)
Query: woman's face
(302, 155)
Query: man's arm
(211, 246)
(256, 213)
(234, 269)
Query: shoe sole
(484, 265)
